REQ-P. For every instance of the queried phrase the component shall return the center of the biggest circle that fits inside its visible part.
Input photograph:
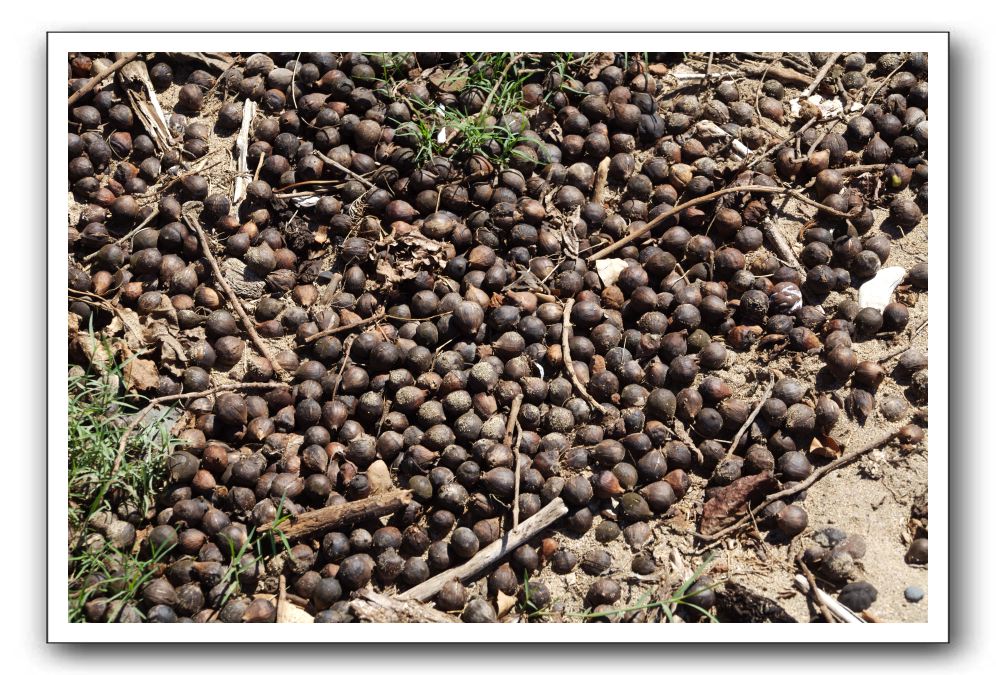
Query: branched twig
(569, 363)
(233, 299)
(841, 461)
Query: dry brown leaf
(140, 375)
(127, 322)
(387, 272)
(599, 61)
(172, 350)
(825, 446)
(731, 501)
(449, 80)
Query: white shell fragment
(609, 269)
(828, 108)
(877, 291)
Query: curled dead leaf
(730, 502)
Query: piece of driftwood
(242, 173)
(373, 607)
(338, 515)
(492, 553)
(134, 77)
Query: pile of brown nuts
(456, 256)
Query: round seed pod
(791, 520)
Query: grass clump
(97, 416)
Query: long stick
(569, 363)
(768, 189)
(750, 418)
(342, 329)
(841, 461)
(335, 516)
(233, 299)
(513, 418)
(491, 553)
(102, 75)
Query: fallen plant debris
(491, 336)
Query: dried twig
(486, 108)
(814, 589)
(750, 418)
(233, 299)
(768, 189)
(330, 517)
(882, 84)
(821, 73)
(841, 461)
(569, 363)
(513, 420)
(242, 150)
(127, 237)
(781, 245)
(346, 170)
(102, 75)
(491, 553)
(342, 329)
(282, 600)
(798, 132)
(705, 75)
